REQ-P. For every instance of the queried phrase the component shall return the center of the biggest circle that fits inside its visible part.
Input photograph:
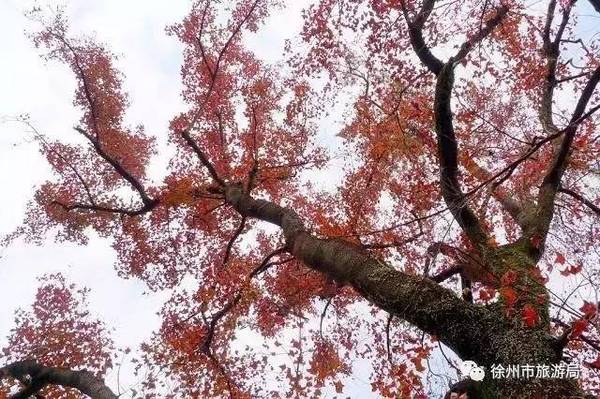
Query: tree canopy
(468, 193)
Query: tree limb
(418, 300)
(232, 240)
(467, 46)
(558, 166)
(108, 209)
(213, 78)
(116, 165)
(446, 138)
(82, 380)
(581, 199)
(415, 31)
(448, 158)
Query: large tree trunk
(523, 389)
(474, 332)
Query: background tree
(471, 150)
(57, 345)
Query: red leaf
(530, 316)
(579, 326)
(485, 294)
(595, 364)
(572, 270)
(418, 362)
(536, 241)
(589, 309)
(509, 278)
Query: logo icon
(471, 369)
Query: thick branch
(551, 50)
(448, 158)
(446, 138)
(418, 300)
(556, 170)
(202, 157)
(415, 31)
(446, 274)
(83, 380)
(232, 240)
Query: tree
(479, 166)
(58, 331)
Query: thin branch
(402, 224)
(589, 113)
(199, 40)
(108, 209)
(563, 340)
(265, 264)
(234, 237)
(38, 136)
(396, 243)
(261, 268)
(581, 199)
(507, 171)
(133, 181)
(214, 72)
(203, 158)
(572, 77)
(387, 338)
(323, 313)
(490, 25)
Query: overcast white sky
(150, 60)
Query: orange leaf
(418, 364)
(509, 295)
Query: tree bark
(475, 332)
(41, 376)
(420, 301)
